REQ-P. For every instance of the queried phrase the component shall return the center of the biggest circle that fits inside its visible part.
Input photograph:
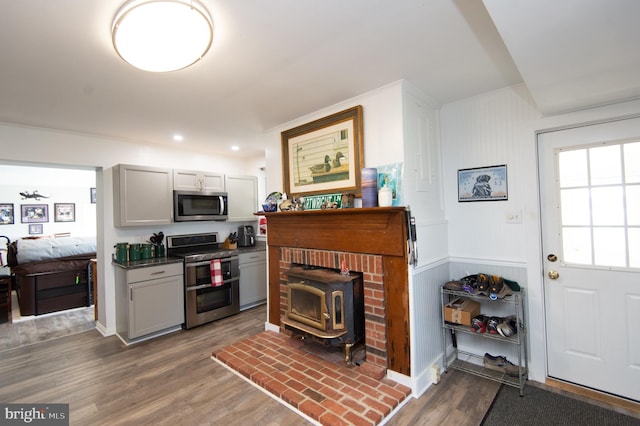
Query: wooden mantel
(378, 231)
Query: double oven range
(205, 302)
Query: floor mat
(541, 407)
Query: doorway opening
(52, 207)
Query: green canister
(145, 251)
(135, 251)
(122, 252)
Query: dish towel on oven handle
(216, 273)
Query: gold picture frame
(324, 156)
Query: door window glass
(600, 204)
(573, 168)
(632, 162)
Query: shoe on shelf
(470, 284)
(497, 288)
(453, 285)
(501, 364)
(482, 283)
(508, 327)
(479, 324)
(492, 324)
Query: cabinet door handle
(158, 272)
(131, 294)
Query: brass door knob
(553, 275)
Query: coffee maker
(246, 236)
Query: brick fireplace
(367, 240)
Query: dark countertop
(260, 246)
(143, 263)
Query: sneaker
(508, 327)
(492, 324)
(502, 365)
(479, 324)
(469, 284)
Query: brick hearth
(371, 268)
(329, 393)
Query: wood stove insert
(326, 305)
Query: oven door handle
(200, 287)
(208, 262)
(195, 265)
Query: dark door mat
(541, 407)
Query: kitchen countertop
(260, 246)
(143, 263)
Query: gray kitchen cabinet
(253, 278)
(243, 197)
(149, 301)
(191, 180)
(142, 196)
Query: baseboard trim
(594, 395)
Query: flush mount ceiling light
(162, 35)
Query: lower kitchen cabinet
(149, 302)
(253, 278)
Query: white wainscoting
(426, 332)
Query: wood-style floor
(173, 380)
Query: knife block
(229, 245)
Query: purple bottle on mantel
(369, 187)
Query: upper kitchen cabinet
(142, 195)
(189, 180)
(243, 197)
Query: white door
(590, 200)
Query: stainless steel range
(211, 277)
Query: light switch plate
(513, 216)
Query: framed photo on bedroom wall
(65, 212)
(7, 216)
(34, 213)
(35, 229)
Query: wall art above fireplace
(325, 155)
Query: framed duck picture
(325, 155)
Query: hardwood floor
(27, 331)
(173, 380)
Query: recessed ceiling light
(178, 138)
(235, 148)
(162, 35)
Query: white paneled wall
(491, 129)
(426, 330)
(487, 130)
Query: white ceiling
(273, 61)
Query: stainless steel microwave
(191, 206)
